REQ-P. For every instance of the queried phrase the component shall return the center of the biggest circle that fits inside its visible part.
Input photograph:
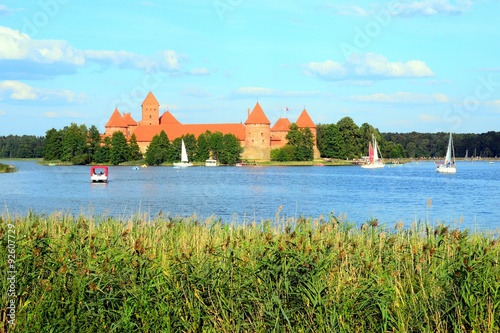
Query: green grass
(5, 168)
(99, 274)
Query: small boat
(99, 174)
(184, 158)
(211, 163)
(374, 162)
(449, 161)
(135, 167)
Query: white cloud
(431, 7)
(408, 8)
(261, 91)
(403, 97)
(20, 48)
(17, 90)
(367, 66)
(20, 91)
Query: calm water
(471, 197)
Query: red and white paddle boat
(99, 174)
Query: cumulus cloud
(403, 97)
(367, 66)
(16, 90)
(55, 57)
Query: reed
(101, 274)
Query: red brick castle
(256, 135)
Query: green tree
(283, 154)
(232, 150)
(102, 155)
(329, 140)
(203, 147)
(52, 150)
(157, 151)
(119, 149)
(74, 144)
(93, 143)
(216, 145)
(303, 141)
(351, 143)
(135, 150)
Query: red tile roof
(168, 119)
(129, 120)
(257, 116)
(146, 133)
(305, 121)
(150, 99)
(282, 125)
(116, 120)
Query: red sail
(370, 152)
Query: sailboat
(374, 162)
(449, 162)
(184, 158)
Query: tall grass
(99, 274)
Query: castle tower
(304, 121)
(150, 110)
(116, 123)
(257, 135)
(279, 132)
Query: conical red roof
(150, 99)
(129, 120)
(282, 125)
(305, 120)
(257, 116)
(168, 119)
(116, 120)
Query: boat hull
(372, 166)
(183, 164)
(444, 169)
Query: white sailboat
(184, 158)
(374, 162)
(449, 162)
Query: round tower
(257, 135)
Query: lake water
(469, 198)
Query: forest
(78, 144)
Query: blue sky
(401, 66)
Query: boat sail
(184, 158)
(374, 162)
(449, 162)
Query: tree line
(343, 140)
(26, 146)
(78, 145)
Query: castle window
(149, 116)
(261, 134)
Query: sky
(400, 66)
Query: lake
(411, 192)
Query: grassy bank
(98, 274)
(5, 168)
